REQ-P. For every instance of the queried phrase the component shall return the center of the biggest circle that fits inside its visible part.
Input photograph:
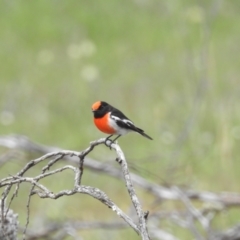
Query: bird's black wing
(123, 122)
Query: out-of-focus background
(172, 66)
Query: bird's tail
(140, 131)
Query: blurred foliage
(173, 68)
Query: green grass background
(172, 66)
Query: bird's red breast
(103, 124)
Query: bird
(110, 120)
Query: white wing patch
(126, 121)
(115, 118)
(113, 123)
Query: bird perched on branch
(112, 121)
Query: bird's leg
(108, 138)
(112, 141)
(116, 138)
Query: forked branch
(43, 192)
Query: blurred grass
(172, 66)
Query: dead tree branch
(43, 192)
(225, 199)
(190, 218)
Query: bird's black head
(100, 108)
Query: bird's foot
(107, 144)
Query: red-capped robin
(112, 121)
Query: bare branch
(43, 192)
(165, 193)
(185, 219)
(134, 198)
